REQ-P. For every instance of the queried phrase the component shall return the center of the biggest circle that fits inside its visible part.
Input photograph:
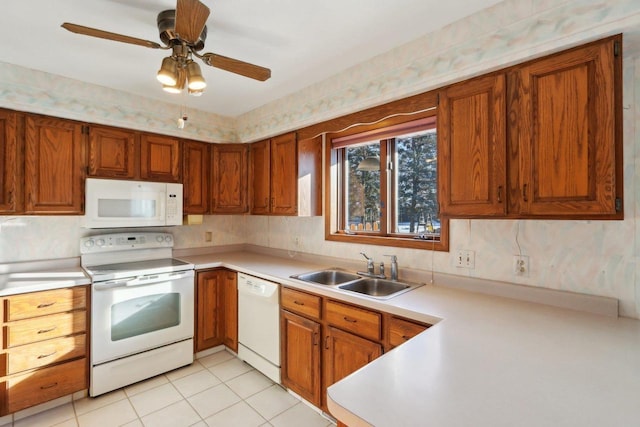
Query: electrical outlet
(208, 236)
(521, 265)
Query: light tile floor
(216, 390)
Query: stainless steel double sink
(347, 281)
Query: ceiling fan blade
(93, 32)
(236, 66)
(191, 17)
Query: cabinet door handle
(44, 331)
(316, 341)
(499, 193)
(273, 202)
(44, 356)
(524, 193)
(46, 304)
(11, 197)
(298, 303)
(350, 320)
(52, 385)
(326, 342)
(266, 201)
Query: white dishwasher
(259, 324)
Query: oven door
(140, 313)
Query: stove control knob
(100, 242)
(168, 239)
(89, 243)
(159, 238)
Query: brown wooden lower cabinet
(300, 356)
(44, 347)
(345, 353)
(216, 309)
(323, 340)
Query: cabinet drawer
(44, 353)
(45, 384)
(301, 302)
(42, 303)
(365, 323)
(43, 328)
(400, 330)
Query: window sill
(399, 242)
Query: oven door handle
(143, 280)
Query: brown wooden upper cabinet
(558, 137)
(159, 158)
(55, 164)
(10, 149)
(229, 178)
(195, 177)
(274, 176)
(112, 152)
(471, 133)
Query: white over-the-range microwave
(111, 203)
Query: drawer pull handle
(298, 303)
(350, 320)
(45, 305)
(44, 356)
(52, 385)
(405, 337)
(44, 331)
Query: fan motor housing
(166, 27)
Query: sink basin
(379, 288)
(329, 277)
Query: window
(384, 187)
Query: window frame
(335, 170)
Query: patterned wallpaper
(594, 257)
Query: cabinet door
(55, 162)
(112, 152)
(229, 180)
(9, 161)
(208, 310)
(159, 158)
(346, 353)
(472, 148)
(284, 175)
(310, 177)
(260, 177)
(565, 130)
(230, 309)
(195, 181)
(300, 354)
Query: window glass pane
(362, 187)
(416, 184)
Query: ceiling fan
(183, 31)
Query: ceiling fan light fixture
(198, 92)
(168, 73)
(194, 77)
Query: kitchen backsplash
(594, 257)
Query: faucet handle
(365, 255)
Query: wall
(595, 257)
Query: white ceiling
(302, 42)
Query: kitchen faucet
(371, 269)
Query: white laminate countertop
(488, 361)
(26, 277)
